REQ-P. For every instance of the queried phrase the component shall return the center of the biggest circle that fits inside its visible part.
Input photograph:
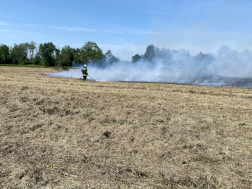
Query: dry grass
(66, 133)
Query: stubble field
(66, 133)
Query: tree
(68, 53)
(63, 60)
(4, 54)
(150, 53)
(77, 55)
(90, 52)
(32, 47)
(108, 55)
(98, 55)
(47, 51)
(57, 53)
(19, 53)
(110, 58)
(37, 59)
(136, 58)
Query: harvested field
(66, 133)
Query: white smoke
(176, 66)
(74, 73)
(232, 63)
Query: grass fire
(57, 132)
(227, 67)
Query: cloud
(15, 33)
(35, 25)
(112, 31)
(3, 24)
(11, 33)
(146, 32)
(155, 12)
(4, 16)
(109, 31)
(75, 29)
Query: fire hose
(91, 77)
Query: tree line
(47, 54)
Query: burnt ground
(225, 82)
(211, 81)
(66, 133)
(202, 80)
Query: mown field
(66, 133)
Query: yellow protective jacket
(84, 71)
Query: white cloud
(5, 16)
(3, 24)
(112, 31)
(109, 31)
(75, 29)
(11, 31)
(16, 33)
(146, 32)
(155, 12)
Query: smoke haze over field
(176, 66)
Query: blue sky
(127, 27)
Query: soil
(66, 133)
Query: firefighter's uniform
(84, 72)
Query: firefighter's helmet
(85, 65)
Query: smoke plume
(226, 67)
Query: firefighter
(84, 72)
